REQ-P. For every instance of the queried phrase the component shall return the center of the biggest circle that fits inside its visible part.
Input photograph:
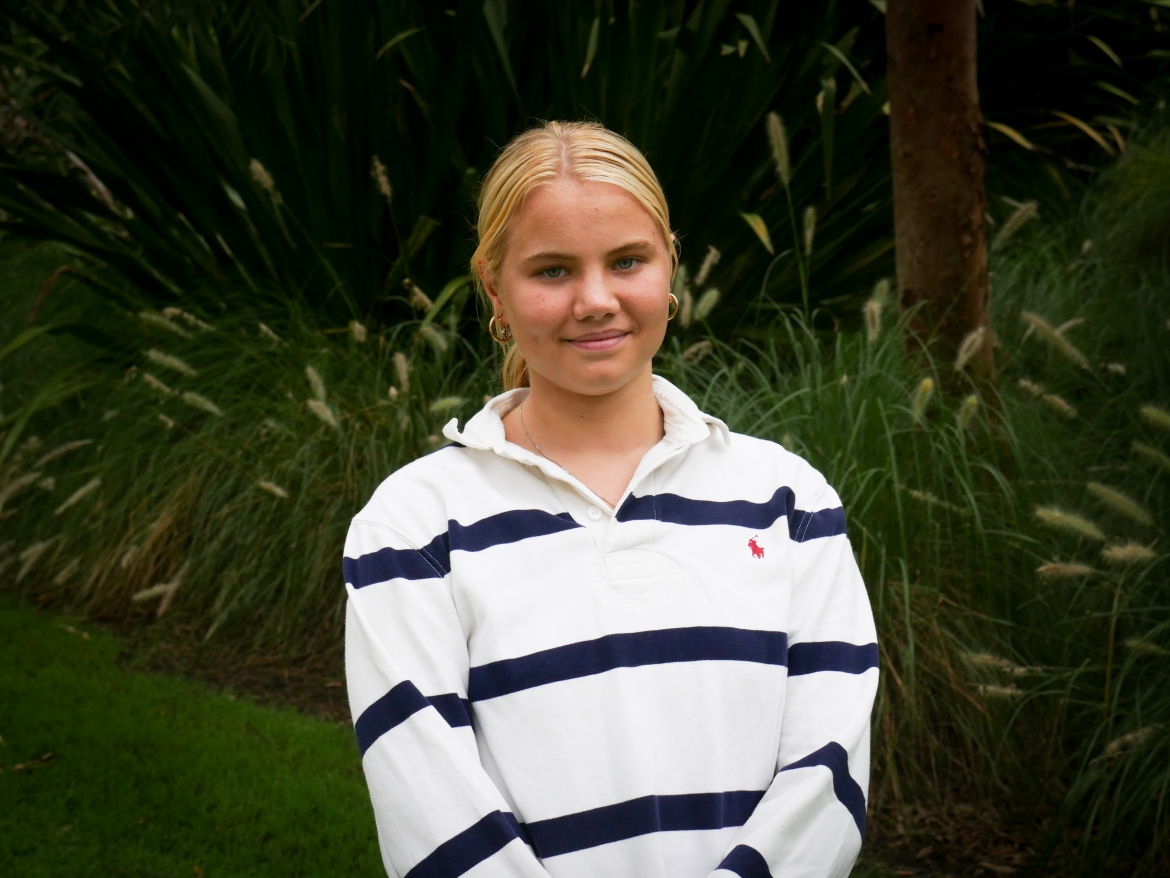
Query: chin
(596, 379)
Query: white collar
(682, 421)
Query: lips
(599, 341)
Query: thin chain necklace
(537, 447)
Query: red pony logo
(757, 549)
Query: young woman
(599, 634)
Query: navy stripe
(507, 527)
(746, 862)
(396, 706)
(831, 655)
(833, 757)
(401, 703)
(587, 829)
(803, 526)
(674, 509)
(632, 650)
(469, 848)
(455, 710)
(386, 564)
(433, 561)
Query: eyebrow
(552, 255)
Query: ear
(491, 287)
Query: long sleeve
(811, 821)
(438, 813)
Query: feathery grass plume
(1144, 647)
(706, 303)
(1029, 210)
(1068, 522)
(167, 361)
(402, 367)
(67, 571)
(810, 229)
(146, 594)
(1032, 387)
(61, 450)
(48, 483)
(272, 488)
(16, 486)
(155, 384)
(267, 333)
(165, 421)
(881, 292)
(922, 398)
(176, 581)
(1054, 337)
(446, 404)
(381, 179)
(155, 319)
(433, 336)
(260, 175)
(109, 414)
(1058, 403)
(434, 439)
(392, 392)
(315, 383)
(1158, 417)
(78, 495)
(358, 331)
(1130, 740)
(778, 141)
(128, 558)
(1124, 554)
(696, 352)
(29, 557)
(198, 401)
(1152, 454)
(709, 262)
(32, 443)
(419, 300)
(931, 500)
(686, 310)
(988, 690)
(967, 409)
(1120, 503)
(872, 311)
(1116, 368)
(323, 412)
(1063, 570)
(970, 346)
(987, 660)
(190, 319)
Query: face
(583, 285)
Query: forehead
(579, 215)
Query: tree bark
(937, 154)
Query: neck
(622, 421)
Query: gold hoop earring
(672, 308)
(499, 330)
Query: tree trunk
(937, 153)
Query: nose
(594, 297)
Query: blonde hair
(582, 150)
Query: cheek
(535, 309)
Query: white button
(594, 513)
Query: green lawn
(158, 776)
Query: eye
(553, 272)
(625, 263)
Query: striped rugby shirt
(542, 686)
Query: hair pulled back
(581, 150)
